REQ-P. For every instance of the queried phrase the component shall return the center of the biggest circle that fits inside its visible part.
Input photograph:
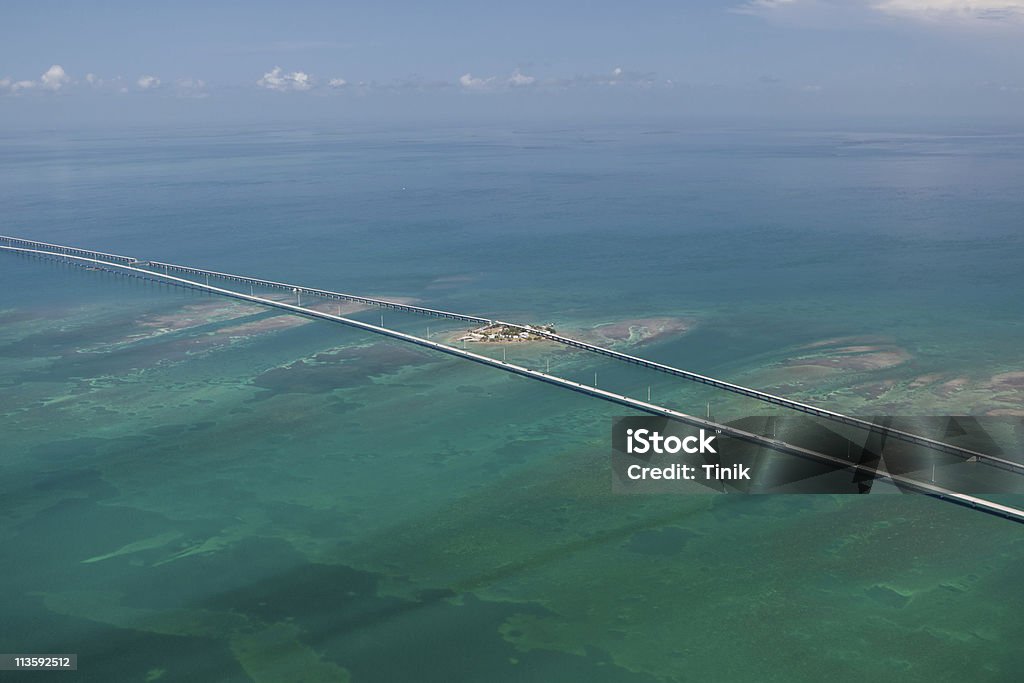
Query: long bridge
(162, 272)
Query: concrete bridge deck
(206, 275)
(132, 266)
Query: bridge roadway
(900, 481)
(808, 409)
(256, 282)
(63, 250)
(784, 402)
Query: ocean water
(196, 489)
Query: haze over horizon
(119, 62)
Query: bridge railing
(917, 439)
(659, 367)
(324, 293)
(62, 249)
(903, 481)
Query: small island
(505, 332)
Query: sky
(122, 61)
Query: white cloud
(620, 76)
(337, 82)
(147, 82)
(843, 12)
(468, 82)
(941, 10)
(93, 79)
(519, 79)
(276, 79)
(759, 6)
(54, 78)
(190, 87)
(616, 77)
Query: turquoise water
(194, 489)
